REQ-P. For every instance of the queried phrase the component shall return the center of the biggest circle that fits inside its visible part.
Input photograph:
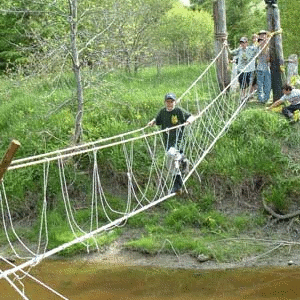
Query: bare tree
(76, 69)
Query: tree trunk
(292, 67)
(76, 69)
(276, 52)
(220, 36)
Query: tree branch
(98, 34)
(278, 216)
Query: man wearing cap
(246, 63)
(264, 66)
(263, 69)
(263, 34)
(168, 117)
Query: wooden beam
(220, 37)
(7, 158)
(276, 51)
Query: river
(91, 281)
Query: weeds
(40, 113)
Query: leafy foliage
(290, 11)
(188, 33)
(244, 18)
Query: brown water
(81, 280)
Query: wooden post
(220, 37)
(276, 50)
(292, 67)
(7, 158)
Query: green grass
(40, 113)
(185, 229)
(222, 247)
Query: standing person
(263, 34)
(263, 70)
(168, 117)
(255, 40)
(246, 64)
(289, 95)
(253, 47)
(276, 64)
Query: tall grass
(40, 113)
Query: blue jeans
(263, 85)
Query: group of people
(254, 73)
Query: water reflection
(82, 280)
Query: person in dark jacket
(168, 117)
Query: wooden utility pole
(276, 50)
(7, 158)
(220, 37)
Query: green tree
(290, 12)
(187, 34)
(202, 5)
(244, 17)
(130, 39)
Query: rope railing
(88, 147)
(91, 146)
(210, 124)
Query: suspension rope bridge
(147, 184)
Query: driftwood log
(278, 216)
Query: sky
(185, 2)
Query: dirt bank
(282, 251)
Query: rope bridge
(141, 160)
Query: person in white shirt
(293, 97)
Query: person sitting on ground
(168, 117)
(293, 97)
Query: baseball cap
(170, 96)
(243, 39)
(262, 32)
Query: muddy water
(87, 281)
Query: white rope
(94, 204)
(33, 278)
(82, 238)
(203, 73)
(75, 150)
(14, 286)
(72, 149)
(44, 210)
(11, 226)
(197, 141)
(81, 149)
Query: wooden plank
(7, 158)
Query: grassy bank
(257, 159)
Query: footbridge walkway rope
(213, 110)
